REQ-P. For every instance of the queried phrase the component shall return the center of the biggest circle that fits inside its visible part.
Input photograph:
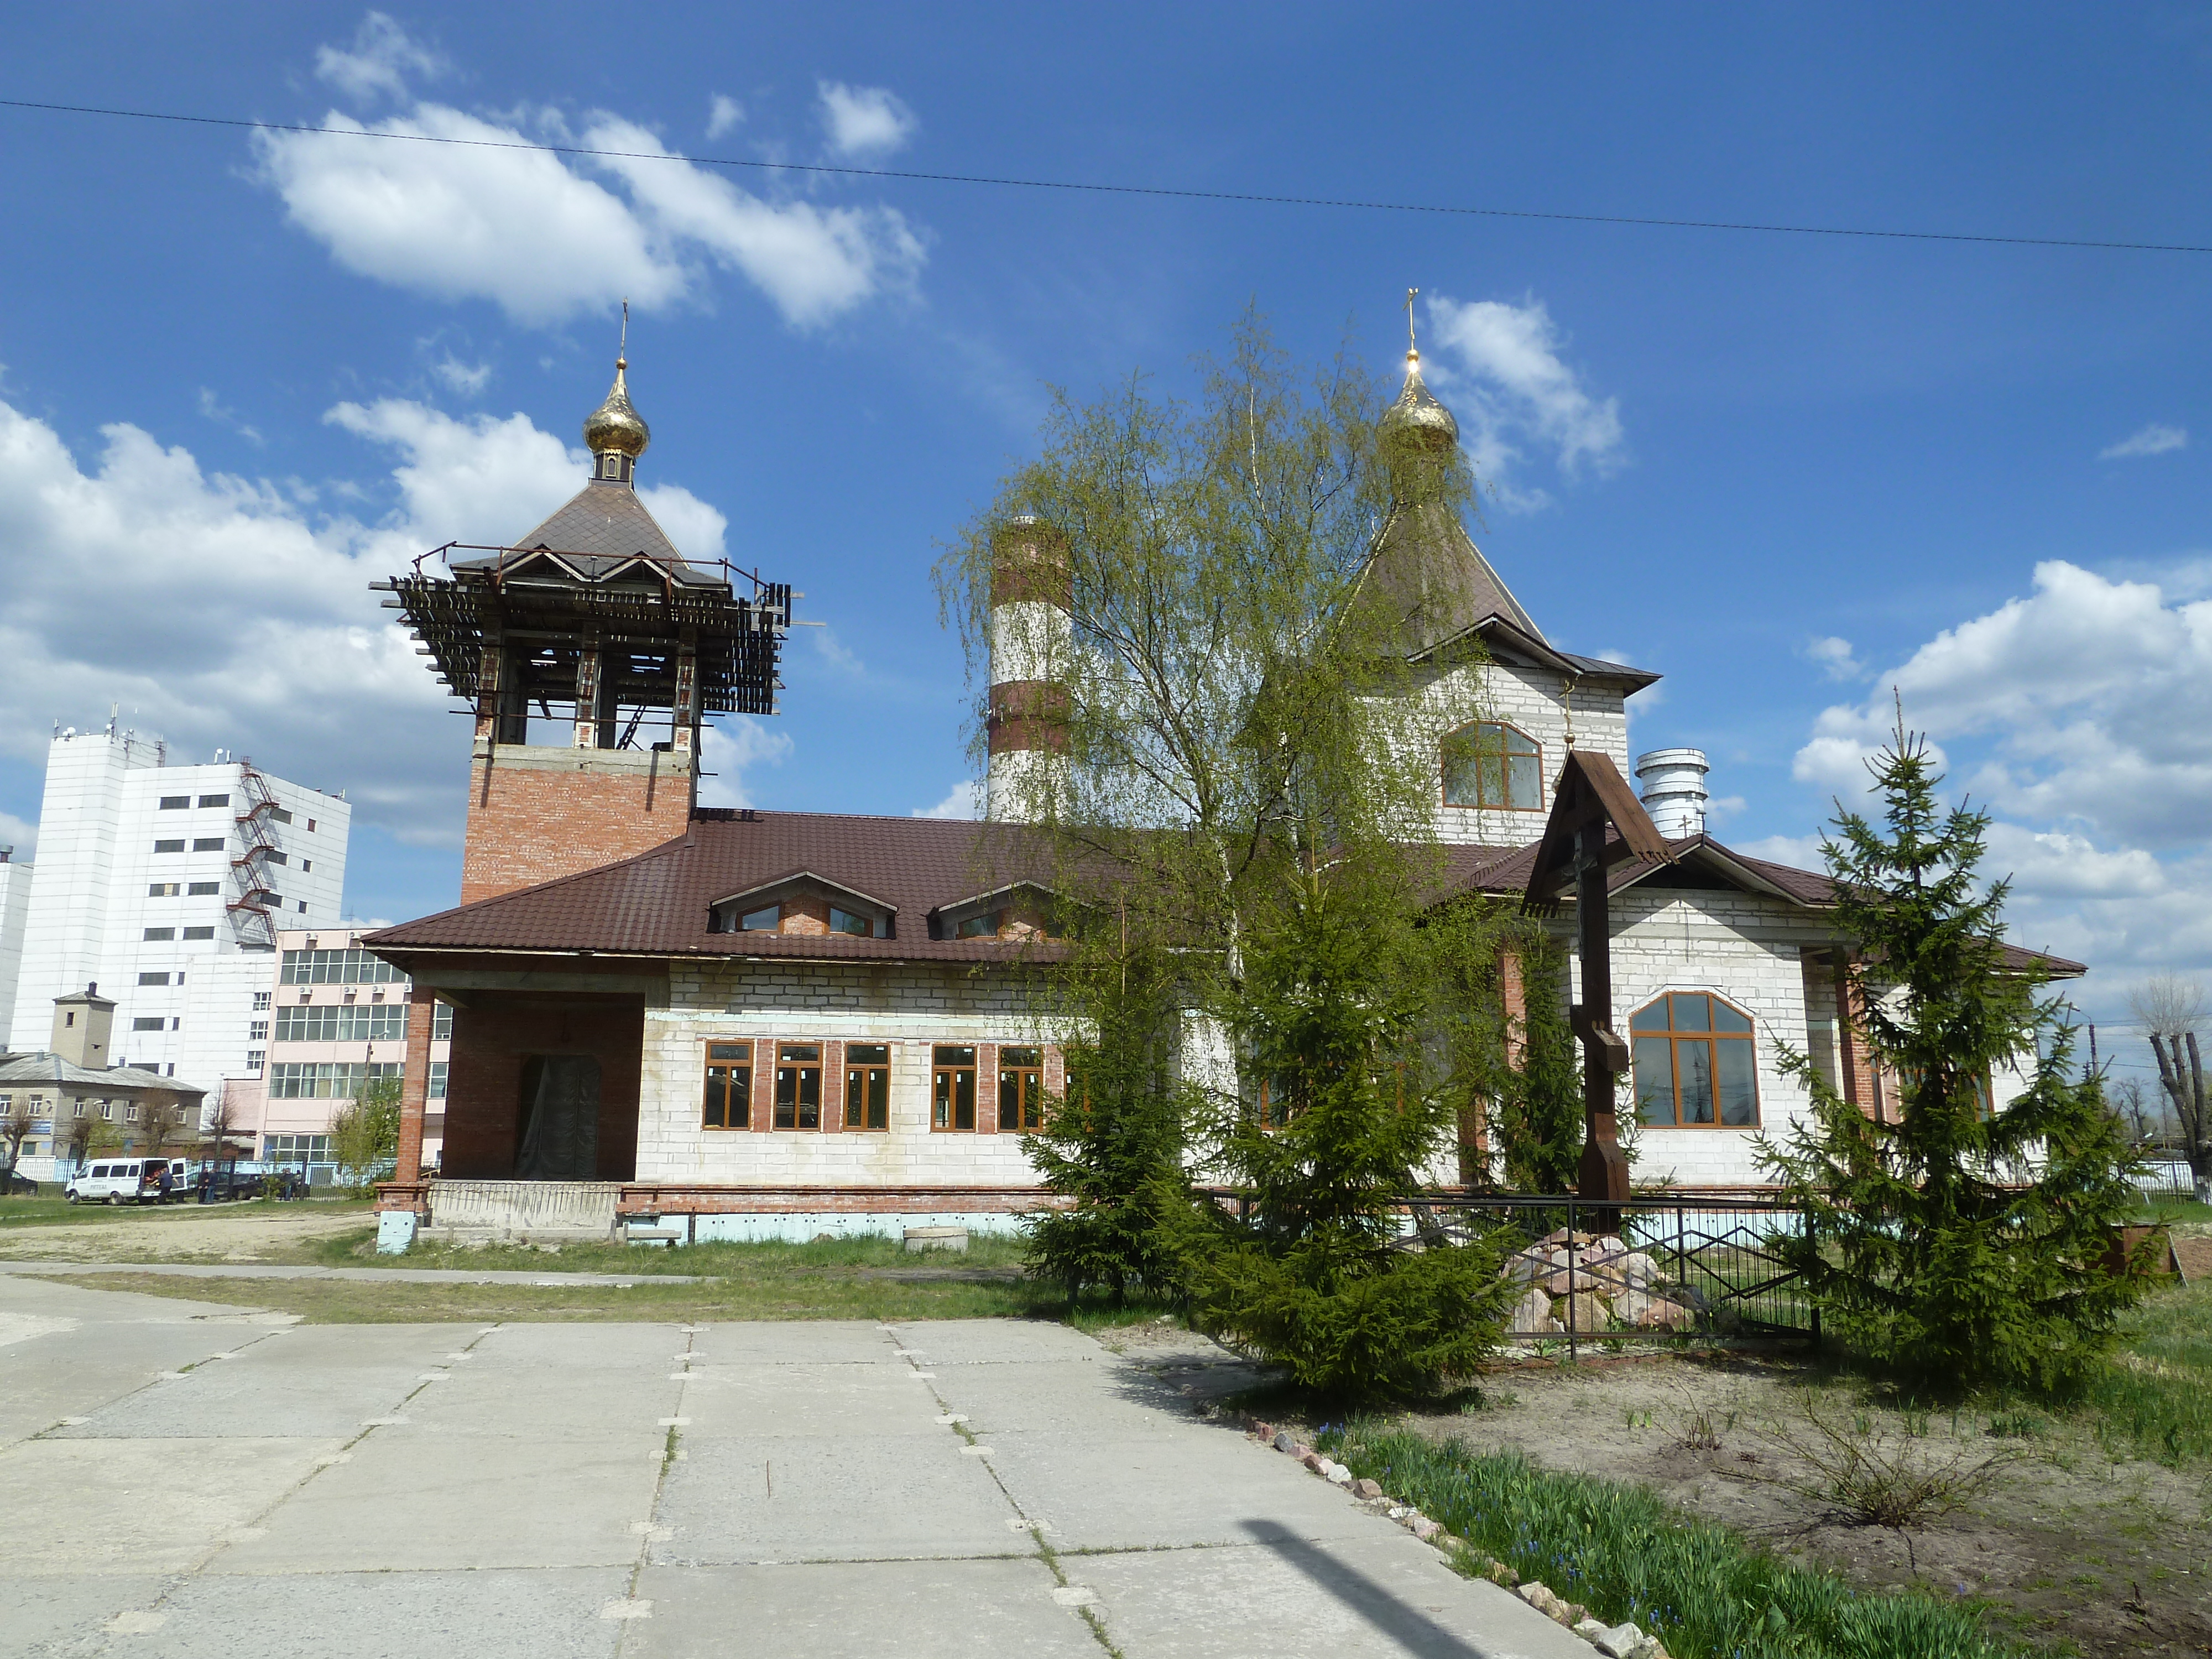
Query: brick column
(762, 1115)
(414, 1083)
(833, 1088)
(986, 1088)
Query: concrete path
(183, 1480)
(404, 1275)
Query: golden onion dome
(614, 424)
(1416, 424)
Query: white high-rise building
(166, 886)
(14, 910)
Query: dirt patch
(2066, 1544)
(187, 1233)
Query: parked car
(126, 1181)
(15, 1184)
(222, 1186)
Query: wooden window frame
(1026, 1077)
(940, 1069)
(1677, 1040)
(799, 1065)
(854, 1066)
(1444, 770)
(728, 1059)
(737, 921)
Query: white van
(123, 1181)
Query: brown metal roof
(657, 904)
(1489, 870)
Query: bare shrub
(1880, 1477)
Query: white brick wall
(1746, 949)
(910, 1007)
(1534, 702)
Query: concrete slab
(67, 1353)
(406, 1501)
(851, 1400)
(915, 1609)
(502, 1506)
(535, 1615)
(1180, 1486)
(81, 1507)
(65, 1613)
(996, 1342)
(796, 1499)
(812, 1342)
(317, 1381)
(1373, 1597)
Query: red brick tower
(595, 628)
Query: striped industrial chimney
(1031, 637)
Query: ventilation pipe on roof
(1672, 784)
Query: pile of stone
(1624, 1641)
(1594, 1282)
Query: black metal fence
(1657, 1267)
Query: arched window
(1487, 764)
(1695, 1063)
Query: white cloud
(2081, 714)
(1798, 852)
(515, 226)
(963, 800)
(222, 611)
(723, 114)
(467, 379)
(727, 748)
(383, 57)
(2153, 440)
(1834, 656)
(865, 121)
(1519, 389)
(212, 409)
(495, 216)
(814, 263)
(21, 836)
(835, 652)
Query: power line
(1010, 182)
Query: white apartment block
(167, 886)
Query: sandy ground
(182, 1233)
(2113, 1557)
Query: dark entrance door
(559, 1131)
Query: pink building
(333, 1018)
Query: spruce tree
(1112, 1144)
(1337, 1120)
(1957, 1245)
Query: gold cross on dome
(1410, 293)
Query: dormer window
(802, 903)
(989, 925)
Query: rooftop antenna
(1411, 351)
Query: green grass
(840, 1278)
(44, 1211)
(2153, 1396)
(1622, 1552)
(873, 1252)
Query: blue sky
(243, 375)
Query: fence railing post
(1574, 1346)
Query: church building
(694, 1022)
